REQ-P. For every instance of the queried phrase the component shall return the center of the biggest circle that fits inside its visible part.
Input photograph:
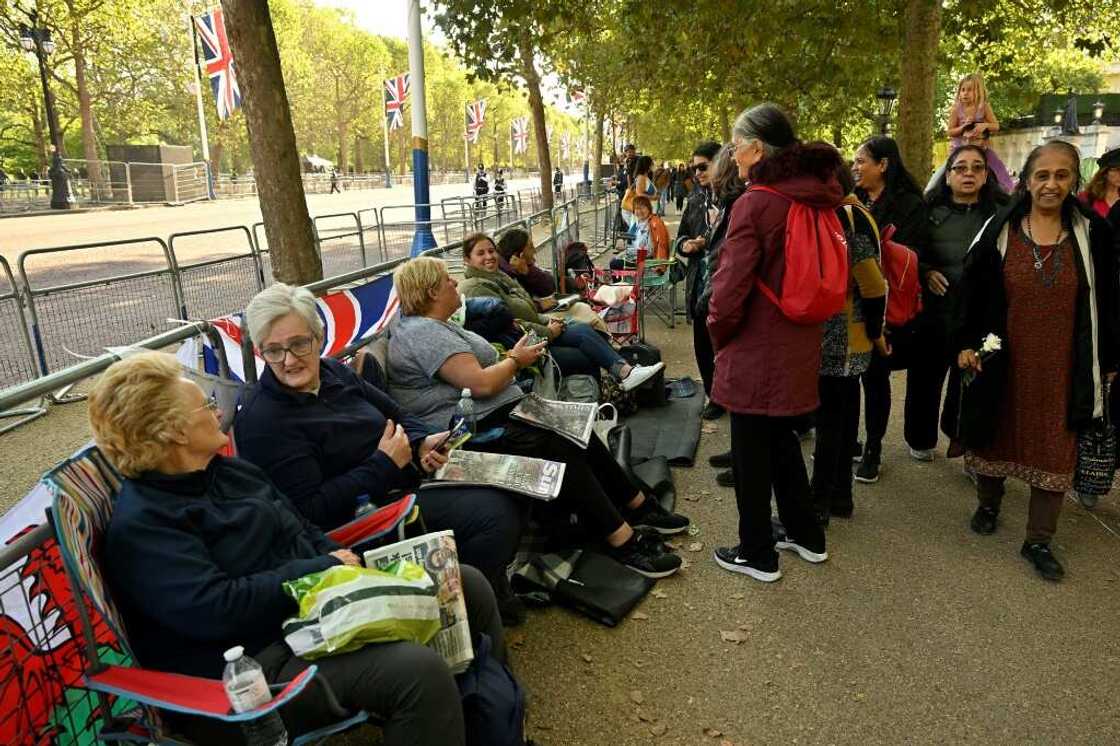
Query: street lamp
(886, 97)
(1058, 114)
(1098, 112)
(37, 39)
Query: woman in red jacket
(766, 365)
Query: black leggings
(487, 524)
(705, 353)
(594, 487)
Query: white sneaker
(639, 374)
(921, 454)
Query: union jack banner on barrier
(211, 28)
(396, 94)
(476, 115)
(520, 127)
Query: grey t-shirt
(418, 348)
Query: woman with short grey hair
(333, 442)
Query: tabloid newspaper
(533, 477)
(574, 420)
(436, 553)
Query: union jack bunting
(211, 28)
(396, 94)
(476, 115)
(520, 128)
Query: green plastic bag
(345, 607)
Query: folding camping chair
(84, 489)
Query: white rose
(991, 343)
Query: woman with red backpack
(767, 362)
(889, 192)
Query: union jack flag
(476, 115)
(219, 61)
(396, 93)
(520, 127)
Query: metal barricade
(342, 248)
(264, 258)
(398, 225)
(217, 269)
(370, 226)
(17, 355)
(73, 318)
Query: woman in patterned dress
(1042, 277)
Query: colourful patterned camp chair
(83, 489)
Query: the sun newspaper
(436, 553)
(573, 420)
(534, 477)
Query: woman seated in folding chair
(328, 439)
(199, 545)
(650, 233)
(431, 361)
(575, 346)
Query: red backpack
(815, 283)
(904, 289)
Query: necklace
(1039, 259)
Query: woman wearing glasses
(958, 208)
(331, 441)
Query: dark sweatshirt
(321, 449)
(196, 561)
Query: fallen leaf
(738, 596)
(658, 593)
(587, 658)
(709, 429)
(658, 729)
(692, 498)
(638, 664)
(645, 717)
(688, 606)
(636, 697)
(859, 696)
(639, 615)
(543, 726)
(693, 530)
(735, 636)
(725, 742)
(516, 641)
(695, 546)
(712, 733)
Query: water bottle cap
(465, 394)
(234, 653)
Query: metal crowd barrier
(342, 245)
(17, 355)
(229, 273)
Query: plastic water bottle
(466, 410)
(247, 689)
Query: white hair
(277, 301)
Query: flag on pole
(520, 127)
(216, 53)
(396, 94)
(476, 115)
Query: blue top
(196, 561)
(321, 449)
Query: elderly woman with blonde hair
(432, 361)
(331, 441)
(198, 548)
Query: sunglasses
(700, 168)
(300, 347)
(964, 168)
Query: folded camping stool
(652, 477)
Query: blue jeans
(588, 341)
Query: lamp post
(1098, 112)
(34, 38)
(886, 97)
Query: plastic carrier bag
(344, 608)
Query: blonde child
(972, 122)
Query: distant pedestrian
(481, 188)
(334, 182)
(558, 182)
(500, 189)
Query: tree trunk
(536, 106)
(216, 149)
(725, 123)
(597, 163)
(272, 142)
(97, 186)
(359, 154)
(921, 32)
(838, 136)
(39, 129)
(343, 153)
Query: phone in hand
(457, 434)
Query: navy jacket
(321, 450)
(196, 561)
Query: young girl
(972, 122)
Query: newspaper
(436, 553)
(574, 420)
(533, 477)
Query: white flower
(991, 343)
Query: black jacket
(694, 223)
(196, 561)
(906, 211)
(983, 310)
(321, 450)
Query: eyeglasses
(211, 404)
(300, 347)
(964, 168)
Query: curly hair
(135, 408)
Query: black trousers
(405, 686)
(705, 353)
(877, 405)
(925, 378)
(837, 432)
(594, 488)
(487, 524)
(765, 458)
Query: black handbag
(1096, 454)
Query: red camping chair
(84, 489)
(626, 327)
